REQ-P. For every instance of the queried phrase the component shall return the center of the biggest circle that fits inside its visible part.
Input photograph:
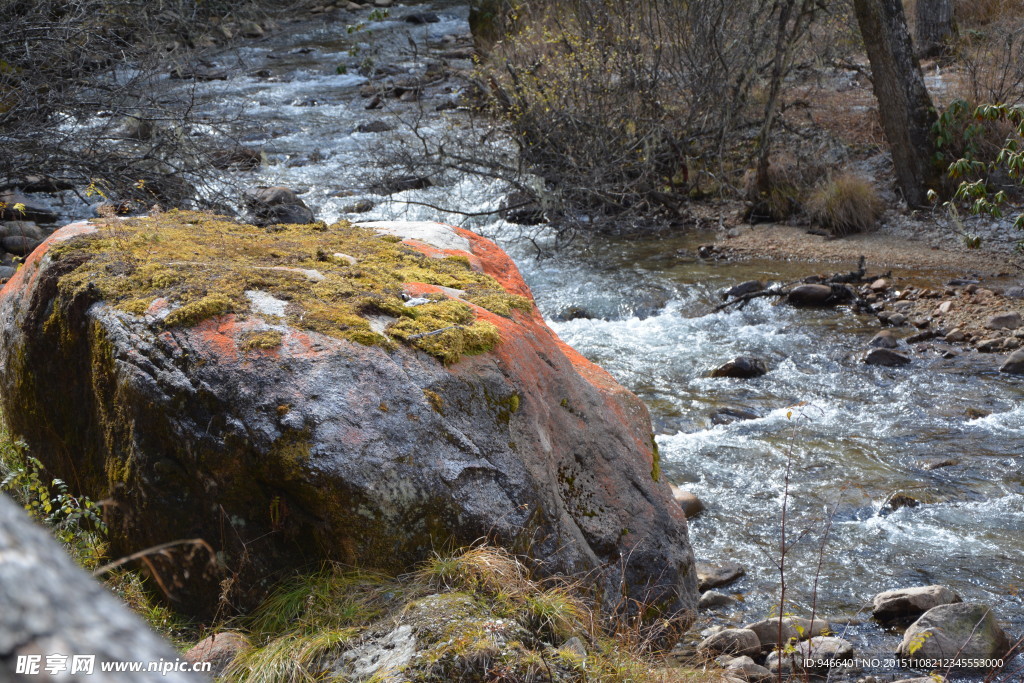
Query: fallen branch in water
(839, 283)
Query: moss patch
(268, 339)
(435, 400)
(203, 265)
(655, 460)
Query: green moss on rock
(268, 339)
(203, 266)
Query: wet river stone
(809, 295)
(886, 358)
(1014, 363)
(741, 367)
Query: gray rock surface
(732, 641)
(911, 601)
(49, 605)
(712, 575)
(1004, 321)
(1014, 363)
(811, 655)
(712, 599)
(277, 204)
(884, 340)
(963, 630)
(798, 628)
(747, 669)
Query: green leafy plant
(75, 521)
(978, 192)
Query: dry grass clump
(845, 204)
(474, 615)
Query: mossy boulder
(302, 393)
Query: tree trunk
(903, 102)
(933, 26)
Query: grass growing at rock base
(332, 279)
(474, 615)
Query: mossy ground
(203, 265)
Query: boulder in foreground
(52, 607)
(301, 393)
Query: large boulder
(52, 607)
(966, 632)
(297, 394)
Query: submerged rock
(886, 357)
(741, 367)
(724, 416)
(215, 389)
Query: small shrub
(75, 521)
(983, 196)
(788, 184)
(845, 204)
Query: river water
(849, 435)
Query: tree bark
(903, 102)
(933, 26)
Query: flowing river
(849, 435)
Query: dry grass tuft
(845, 204)
(475, 614)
